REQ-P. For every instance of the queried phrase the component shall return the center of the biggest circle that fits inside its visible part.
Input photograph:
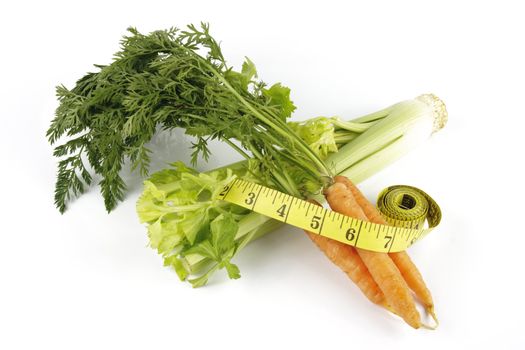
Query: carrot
(348, 260)
(408, 269)
(414, 280)
(380, 265)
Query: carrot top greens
(174, 78)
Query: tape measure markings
(393, 240)
(257, 197)
(288, 212)
(358, 233)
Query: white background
(87, 280)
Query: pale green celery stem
(351, 125)
(388, 154)
(373, 116)
(346, 131)
(400, 120)
(377, 161)
(343, 137)
(234, 166)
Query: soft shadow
(166, 146)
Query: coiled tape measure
(406, 208)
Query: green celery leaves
(280, 96)
(318, 133)
(184, 219)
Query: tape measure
(405, 208)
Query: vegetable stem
(283, 130)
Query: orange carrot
(347, 259)
(380, 265)
(403, 262)
(414, 280)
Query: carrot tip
(432, 328)
(430, 311)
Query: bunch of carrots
(386, 279)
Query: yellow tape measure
(404, 207)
